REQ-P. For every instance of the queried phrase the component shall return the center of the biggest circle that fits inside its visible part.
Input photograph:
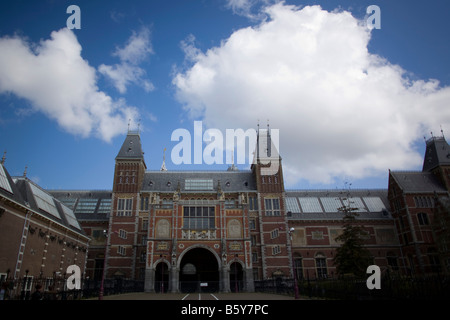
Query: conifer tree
(351, 257)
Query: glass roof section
(292, 204)
(44, 201)
(4, 183)
(310, 204)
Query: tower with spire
(268, 174)
(437, 159)
(123, 221)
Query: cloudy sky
(350, 101)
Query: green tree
(351, 257)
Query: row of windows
(269, 179)
(199, 218)
(272, 205)
(424, 202)
(124, 207)
(322, 269)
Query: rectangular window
(144, 203)
(274, 234)
(253, 203)
(276, 250)
(122, 234)
(124, 207)
(200, 218)
(253, 239)
(254, 257)
(252, 224)
(321, 267)
(198, 184)
(272, 206)
(298, 265)
(144, 224)
(121, 250)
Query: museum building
(227, 230)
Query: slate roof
(437, 153)
(168, 181)
(418, 182)
(131, 147)
(23, 193)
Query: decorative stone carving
(198, 235)
(162, 229)
(234, 229)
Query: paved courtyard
(199, 296)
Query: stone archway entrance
(199, 271)
(236, 277)
(162, 278)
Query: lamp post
(291, 230)
(235, 278)
(100, 294)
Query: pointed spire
(163, 167)
(3, 158)
(25, 172)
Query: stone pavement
(199, 296)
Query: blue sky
(350, 103)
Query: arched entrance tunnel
(199, 271)
(236, 277)
(162, 277)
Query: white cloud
(247, 8)
(137, 49)
(341, 111)
(57, 81)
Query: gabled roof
(31, 196)
(8, 188)
(418, 182)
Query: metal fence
(392, 288)
(56, 289)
